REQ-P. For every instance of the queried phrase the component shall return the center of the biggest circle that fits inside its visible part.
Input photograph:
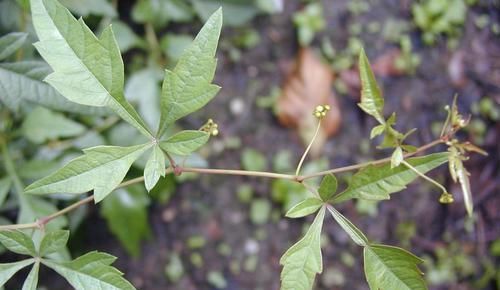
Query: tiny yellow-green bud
(446, 198)
(320, 111)
(210, 127)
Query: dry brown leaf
(308, 85)
(385, 64)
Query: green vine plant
(89, 70)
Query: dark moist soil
(209, 206)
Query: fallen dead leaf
(308, 85)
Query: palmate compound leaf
(303, 260)
(101, 169)
(23, 81)
(392, 268)
(376, 182)
(372, 101)
(189, 86)
(87, 70)
(7, 270)
(91, 271)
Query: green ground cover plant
(88, 71)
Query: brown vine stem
(40, 223)
(376, 162)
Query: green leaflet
(392, 268)
(304, 208)
(155, 167)
(53, 242)
(372, 101)
(23, 81)
(356, 235)
(126, 214)
(101, 169)
(463, 178)
(397, 157)
(32, 280)
(188, 87)
(303, 260)
(376, 182)
(185, 142)
(8, 270)
(87, 70)
(11, 42)
(327, 187)
(42, 125)
(91, 271)
(18, 242)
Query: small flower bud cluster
(320, 111)
(210, 127)
(446, 198)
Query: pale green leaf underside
(17, 242)
(327, 187)
(392, 268)
(101, 169)
(303, 260)
(32, 280)
(11, 42)
(188, 87)
(372, 101)
(87, 70)
(7, 270)
(185, 142)
(53, 242)
(376, 182)
(155, 167)
(304, 208)
(91, 271)
(356, 235)
(23, 81)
